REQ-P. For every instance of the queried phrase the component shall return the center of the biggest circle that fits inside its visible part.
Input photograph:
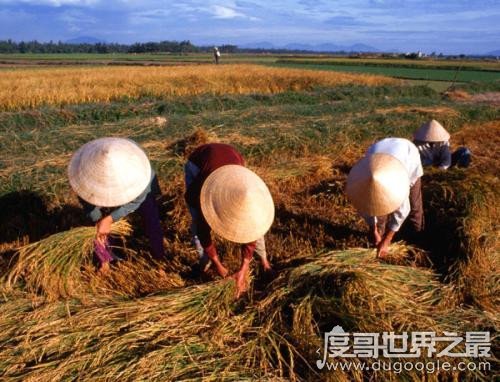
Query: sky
(447, 26)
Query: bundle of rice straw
(53, 266)
(362, 295)
(462, 215)
(199, 333)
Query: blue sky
(448, 26)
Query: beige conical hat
(109, 172)
(431, 131)
(237, 204)
(378, 184)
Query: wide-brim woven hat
(378, 184)
(431, 131)
(109, 172)
(237, 204)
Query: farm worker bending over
(113, 178)
(224, 196)
(433, 143)
(385, 188)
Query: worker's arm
(247, 251)
(91, 211)
(395, 222)
(130, 207)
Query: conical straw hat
(109, 172)
(237, 204)
(431, 131)
(378, 184)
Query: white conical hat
(431, 131)
(378, 184)
(237, 204)
(109, 172)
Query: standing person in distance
(216, 55)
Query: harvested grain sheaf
(462, 217)
(61, 266)
(33, 88)
(199, 333)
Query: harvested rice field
(301, 131)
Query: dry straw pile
(463, 215)
(33, 88)
(61, 266)
(199, 332)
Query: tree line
(9, 46)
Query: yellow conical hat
(109, 172)
(237, 204)
(378, 184)
(431, 131)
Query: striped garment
(434, 153)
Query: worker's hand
(104, 269)
(212, 255)
(221, 269)
(383, 246)
(241, 278)
(103, 227)
(382, 249)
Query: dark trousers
(416, 216)
(152, 226)
(150, 216)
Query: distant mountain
(258, 45)
(298, 46)
(493, 53)
(325, 47)
(362, 48)
(84, 40)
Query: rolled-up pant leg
(260, 248)
(416, 216)
(382, 224)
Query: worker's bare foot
(241, 283)
(104, 269)
(266, 265)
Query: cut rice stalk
(52, 266)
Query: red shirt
(209, 158)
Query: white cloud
(221, 12)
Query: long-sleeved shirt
(95, 213)
(407, 153)
(201, 163)
(209, 158)
(434, 153)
